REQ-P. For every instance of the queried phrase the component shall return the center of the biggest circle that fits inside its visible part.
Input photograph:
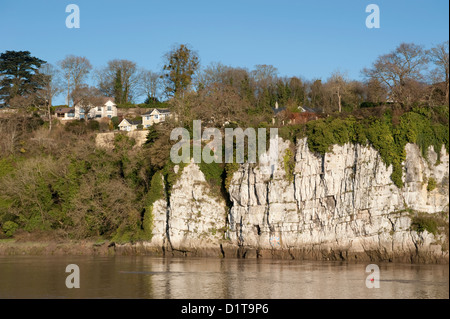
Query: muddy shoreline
(107, 248)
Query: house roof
(308, 109)
(102, 99)
(106, 99)
(132, 122)
(161, 111)
(65, 110)
(278, 110)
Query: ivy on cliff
(423, 126)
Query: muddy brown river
(178, 278)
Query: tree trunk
(49, 104)
(68, 93)
(339, 99)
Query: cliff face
(192, 220)
(339, 206)
(343, 205)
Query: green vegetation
(152, 136)
(431, 184)
(423, 126)
(5, 166)
(179, 67)
(142, 228)
(115, 122)
(65, 186)
(213, 173)
(433, 223)
(230, 169)
(289, 164)
(9, 228)
(18, 65)
(170, 177)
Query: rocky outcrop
(192, 220)
(106, 140)
(195, 216)
(343, 205)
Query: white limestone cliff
(344, 202)
(343, 205)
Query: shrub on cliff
(9, 228)
(431, 184)
(435, 224)
(289, 164)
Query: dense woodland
(55, 183)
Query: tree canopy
(179, 68)
(18, 75)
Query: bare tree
(215, 72)
(75, 70)
(376, 91)
(219, 104)
(51, 86)
(9, 131)
(338, 85)
(439, 56)
(264, 76)
(120, 79)
(22, 102)
(149, 84)
(396, 69)
(317, 96)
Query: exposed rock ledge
(342, 206)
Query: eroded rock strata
(341, 206)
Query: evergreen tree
(118, 91)
(18, 74)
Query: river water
(179, 278)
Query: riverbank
(85, 247)
(10, 247)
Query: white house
(129, 125)
(154, 116)
(107, 110)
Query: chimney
(276, 105)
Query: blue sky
(310, 39)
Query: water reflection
(149, 277)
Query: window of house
(109, 116)
(148, 118)
(156, 116)
(81, 111)
(109, 108)
(81, 116)
(99, 109)
(70, 114)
